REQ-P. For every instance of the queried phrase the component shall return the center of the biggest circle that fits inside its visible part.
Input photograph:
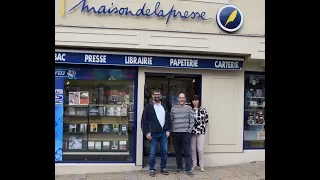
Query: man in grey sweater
(182, 122)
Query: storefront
(104, 77)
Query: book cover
(94, 110)
(115, 145)
(70, 111)
(261, 135)
(72, 128)
(124, 111)
(115, 128)
(75, 142)
(102, 111)
(100, 91)
(117, 111)
(84, 98)
(124, 128)
(97, 145)
(106, 145)
(106, 128)
(80, 111)
(110, 111)
(123, 145)
(90, 144)
(83, 127)
(65, 144)
(74, 98)
(93, 127)
(131, 116)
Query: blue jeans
(162, 138)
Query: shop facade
(107, 64)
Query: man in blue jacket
(156, 126)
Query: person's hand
(149, 136)
(168, 134)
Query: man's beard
(156, 99)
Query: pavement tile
(106, 176)
(250, 171)
(64, 177)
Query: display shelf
(115, 153)
(104, 97)
(256, 124)
(75, 133)
(104, 120)
(258, 106)
(254, 109)
(117, 138)
(80, 105)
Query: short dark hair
(156, 91)
(195, 98)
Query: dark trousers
(181, 142)
(163, 140)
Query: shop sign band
(229, 18)
(134, 60)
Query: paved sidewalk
(252, 171)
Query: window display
(254, 120)
(96, 121)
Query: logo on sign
(58, 97)
(69, 73)
(229, 18)
(58, 91)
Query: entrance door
(170, 85)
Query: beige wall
(253, 12)
(224, 101)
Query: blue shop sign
(134, 60)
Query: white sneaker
(202, 169)
(193, 168)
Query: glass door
(171, 86)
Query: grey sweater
(182, 118)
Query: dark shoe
(164, 171)
(190, 173)
(178, 171)
(152, 173)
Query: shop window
(254, 111)
(98, 115)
